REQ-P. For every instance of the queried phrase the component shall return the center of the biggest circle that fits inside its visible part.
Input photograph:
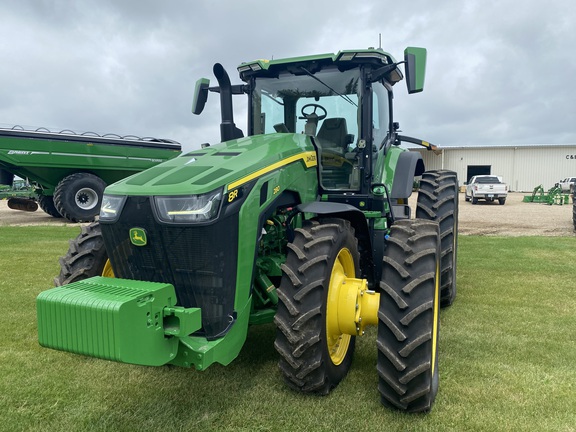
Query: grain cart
(304, 222)
(71, 171)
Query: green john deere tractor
(304, 222)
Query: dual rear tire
(408, 319)
(438, 201)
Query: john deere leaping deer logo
(138, 236)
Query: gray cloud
(498, 72)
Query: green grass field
(507, 358)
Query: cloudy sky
(499, 72)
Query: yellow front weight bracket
(355, 307)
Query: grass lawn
(507, 358)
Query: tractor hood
(228, 164)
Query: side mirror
(200, 95)
(415, 68)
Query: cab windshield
(325, 106)
(280, 100)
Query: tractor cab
(342, 101)
(327, 107)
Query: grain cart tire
(408, 320)
(86, 257)
(46, 203)
(311, 359)
(78, 196)
(438, 201)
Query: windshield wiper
(345, 97)
(265, 93)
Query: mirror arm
(377, 74)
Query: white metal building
(523, 167)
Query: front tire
(313, 358)
(78, 196)
(408, 319)
(86, 257)
(438, 201)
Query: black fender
(408, 166)
(358, 222)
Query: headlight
(189, 208)
(111, 207)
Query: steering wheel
(315, 107)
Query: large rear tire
(86, 257)
(78, 196)
(46, 203)
(408, 319)
(438, 201)
(313, 358)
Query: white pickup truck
(567, 184)
(486, 187)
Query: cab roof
(346, 59)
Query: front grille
(199, 260)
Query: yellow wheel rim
(108, 271)
(337, 341)
(436, 312)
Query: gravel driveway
(514, 218)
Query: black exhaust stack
(228, 129)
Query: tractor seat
(334, 134)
